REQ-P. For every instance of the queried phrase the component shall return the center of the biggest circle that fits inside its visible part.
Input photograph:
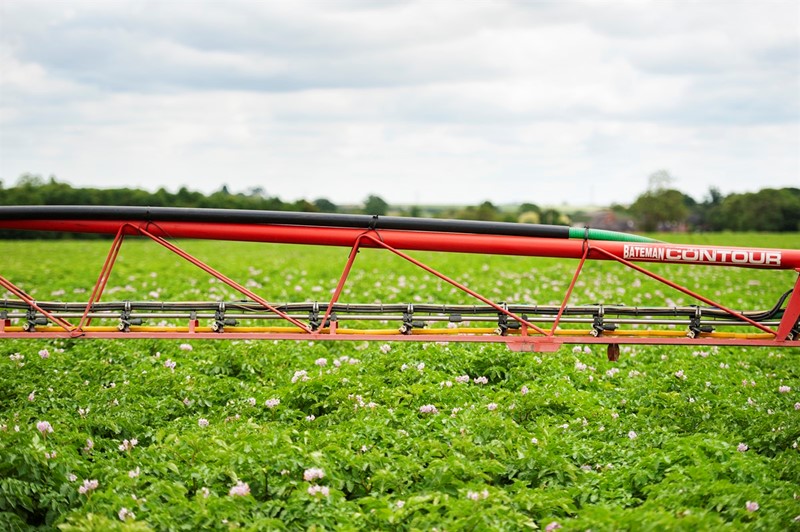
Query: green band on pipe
(602, 234)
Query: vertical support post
(340, 285)
(792, 312)
(102, 279)
(570, 288)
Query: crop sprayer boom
(523, 326)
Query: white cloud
(417, 101)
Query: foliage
(375, 205)
(608, 446)
(659, 209)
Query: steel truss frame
(526, 336)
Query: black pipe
(362, 221)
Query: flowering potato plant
(146, 434)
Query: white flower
(203, 422)
(124, 514)
(632, 435)
(313, 473)
(134, 472)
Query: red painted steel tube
(763, 258)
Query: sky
(426, 102)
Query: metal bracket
(32, 320)
(219, 319)
(408, 321)
(695, 327)
(125, 320)
(598, 324)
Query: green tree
(659, 209)
(325, 205)
(375, 205)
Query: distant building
(612, 221)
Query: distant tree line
(659, 208)
(662, 208)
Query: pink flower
(133, 473)
(680, 375)
(385, 348)
(272, 403)
(205, 492)
(462, 379)
(632, 435)
(580, 366)
(241, 489)
(492, 406)
(88, 485)
(301, 375)
(313, 473)
(742, 447)
(797, 406)
(252, 401)
(32, 396)
(524, 390)
(44, 353)
(784, 389)
(322, 490)
(428, 409)
(186, 347)
(124, 514)
(555, 525)
(169, 364)
(44, 427)
(203, 422)
(127, 445)
(321, 362)
(480, 380)
(89, 445)
(751, 506)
